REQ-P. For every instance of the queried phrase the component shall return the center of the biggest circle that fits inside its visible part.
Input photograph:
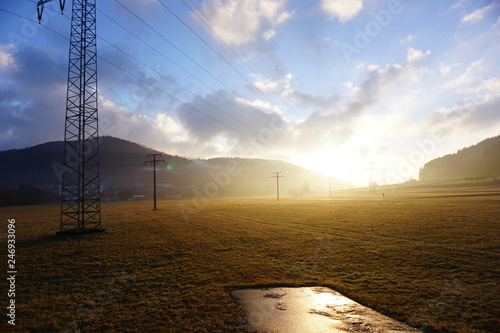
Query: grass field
(433, 264)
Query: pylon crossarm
(40, 5)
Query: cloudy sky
(337, 86)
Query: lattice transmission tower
(80, 203)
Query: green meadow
(433, 264)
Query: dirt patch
(310, 309)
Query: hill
(479, 161)
(122, 169)
(40, 165)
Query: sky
(352, 89)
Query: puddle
(310, 309)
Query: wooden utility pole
(154, 162)
(277, 176)
(330, 186)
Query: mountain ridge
(122, 168)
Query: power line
(206, 43)
(190, 58)
(237, 55)
(212, 48)
(144, 81)
(222, 33)
(178, 85)
(162, 75)
(173, 97)
(231, 101)
(180, 67)
(204, 69)
(185, 53)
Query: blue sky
(330, 85)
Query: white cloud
(483, 90)
(240, 125)
(167, 124)
(490, 87)
(473, 73)
(458, 4)
(470, 117)
(415, 71)
(415, 55)
(476, 15)
(407, 39)
(496, 25)
(267, 86)
(283, 17)
(322, 103)
(159, 131)
(476, 113)
(269, 34)
(263, 84)
(6, 58)
(261, 105)
(343, 10)
(338, 125)
(242, 21)
(334, 118)
(30, 96)
(446, 69)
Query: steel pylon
(80, 204)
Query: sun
(338, 163)
(330, 162)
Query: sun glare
(333, 162)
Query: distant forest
(477, 162)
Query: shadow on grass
(55, 238)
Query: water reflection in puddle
(310, 309)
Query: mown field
(433, 264)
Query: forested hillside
(475, 162)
